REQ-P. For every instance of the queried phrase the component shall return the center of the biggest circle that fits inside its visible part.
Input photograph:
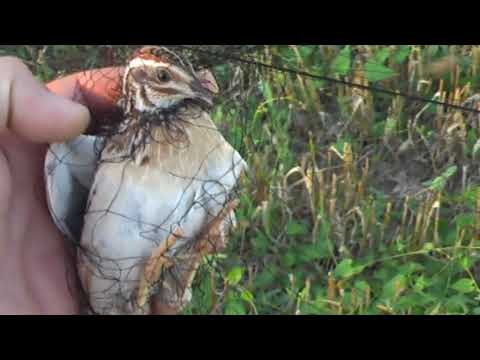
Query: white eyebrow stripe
(138, 62)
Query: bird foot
(154, 268)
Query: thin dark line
(332, 80)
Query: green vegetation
(358, 202)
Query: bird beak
(202, 94)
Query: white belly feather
(134, 209)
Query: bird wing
(69, 173)
(216, 199)
(225, 176)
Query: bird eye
(163, 75)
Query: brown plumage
(163, 193)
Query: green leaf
(464, 286)
(265, 278)
(434, 310)
(313, 252)
(377, 72)
(420, 284)
(346, 269)
(433, 50)
(465, 220)
(394, 286)
(317, 308)
(469, 197)
(362, 286)
(382, 56)
(267, 92)
(473, 142)
(390, 126)
(458, 303)
(295, 228)
(202, 295)
(409, 268)
(402, 54)
(235, 308)
(235, 275)
(261, 244)
(466, 262)
(289, 259)
(379, 129)
(440, 182)
(450, 171)
(247, 296)
(343, 62)
(428, 247)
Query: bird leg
(154, 267)
(213, 238)
(210, 241)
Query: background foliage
(357, 202)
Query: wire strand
(332, 80)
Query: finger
(28, 109)
(97, 89)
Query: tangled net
(72, 169)
(401, 166)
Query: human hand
(37, 273)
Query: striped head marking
(156, 79)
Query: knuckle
(11, 68)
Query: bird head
(157, 79)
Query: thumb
(28, 109)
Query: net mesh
(313, 147)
